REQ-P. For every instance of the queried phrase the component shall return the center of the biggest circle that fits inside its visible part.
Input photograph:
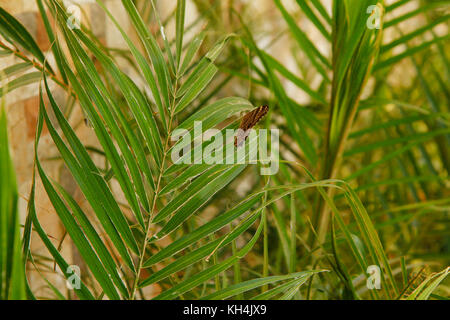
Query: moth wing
(240, 137)
(248, 122)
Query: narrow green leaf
(203, 79)
(12, 271)
(93, 186)
(15, 31)
(194, 197)
(208, 273)
(21, 81)
(208, 228)
(152, 48)
(255, 283)
(192, 49)
(198, 254)
(181, 9)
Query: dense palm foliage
(364, 162)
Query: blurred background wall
(22, 107)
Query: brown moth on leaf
(248, 122)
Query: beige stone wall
(22, 109)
